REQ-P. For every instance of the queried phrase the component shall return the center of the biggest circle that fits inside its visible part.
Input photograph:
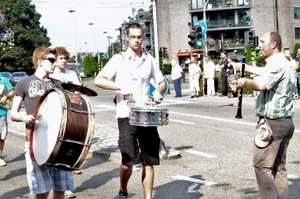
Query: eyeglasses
(132, 37)
(51, 59)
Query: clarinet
(239, 110)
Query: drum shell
(67, 148)
(148, 116)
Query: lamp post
(91, 24)
(71, 11)
(109, 38)
(155, 31)
(105, 32)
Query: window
(297, 13)
(297, 33)
(196, 4)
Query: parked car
(8, 75)
(81, 72)
(17, 76)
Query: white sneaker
(70, 194)
(2, 163)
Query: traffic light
(251, 39)
(160, 52)
(165, 51)
(256, 41)
(192, 37)
(102, 55)
(199, 42)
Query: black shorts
(138, 144)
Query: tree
(21, 17)
(90, 65)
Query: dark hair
(224, 52)
(134, 26)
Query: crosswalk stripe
(186, 178)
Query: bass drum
(62, 134)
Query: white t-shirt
(69, 76)
(133, 75)
(209, 69)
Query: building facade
(227, 20)
(228, 25)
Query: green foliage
(167, 69)
(21, 17)
(296, 47)
(89, 65)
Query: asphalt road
(215, 147)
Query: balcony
(229, 44)
(197, 6)
(228, 24)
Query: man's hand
(127, 95)
(157, 97)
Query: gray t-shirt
(31, 89)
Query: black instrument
(81, 89)
(239, 110)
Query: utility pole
(156, 50)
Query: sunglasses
(51, 59)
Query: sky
(72, 29)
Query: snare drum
(62, 135)
(148, 116)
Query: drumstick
(39, 117)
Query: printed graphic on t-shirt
(38, 88)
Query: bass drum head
(46, 130)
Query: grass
(85, 79)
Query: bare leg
(147, 181)
(58, 195)
(125, 174)
(1, 147)
(41, 196)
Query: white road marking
(213, 118)
(200, 153)
(180, 121)
(291, 176)
(186, 178)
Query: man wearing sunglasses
(41, 179)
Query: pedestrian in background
(176, 74)
(209, 76)
(7, 92)
(129, 74)
(194, 72)
(274, 105)
(66, 76)
(223, 66)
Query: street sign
(203, 26)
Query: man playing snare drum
(41, 179)
(129, 75)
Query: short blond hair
(41, 53)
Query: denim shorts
(42, 179)
(138, 144)
(3, 127)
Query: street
(215, 148)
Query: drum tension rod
(79, 111)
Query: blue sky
(105, 15)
